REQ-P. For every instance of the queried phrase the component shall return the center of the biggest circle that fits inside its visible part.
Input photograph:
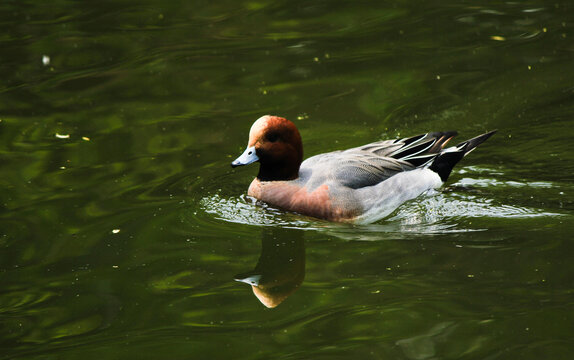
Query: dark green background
(133, 117)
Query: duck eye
(272, 137)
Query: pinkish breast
(289, 196)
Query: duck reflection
(281, 266)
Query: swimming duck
(358, 185)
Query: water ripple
(432, 213)
(246, 210)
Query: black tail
(448, 158)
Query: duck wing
(373, 163)
(417, 150)
(361, 169)
(352, 169)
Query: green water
(123, 227)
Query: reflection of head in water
(281, 266)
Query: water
(123, 227)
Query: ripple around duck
(494, 182)
(441, 207)
(432, 213)
(246, 210)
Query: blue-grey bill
(251, 280)
(249, 156)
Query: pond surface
(123, 228)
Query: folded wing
(373, 163)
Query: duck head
(274, 142)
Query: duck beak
(251, 279)
(249, 156)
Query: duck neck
(277, 172)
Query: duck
(360, 185)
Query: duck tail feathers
(448, 158)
